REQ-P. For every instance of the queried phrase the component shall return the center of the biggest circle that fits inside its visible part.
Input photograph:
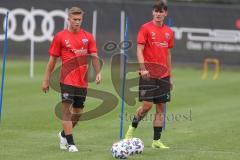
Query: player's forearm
(140, 57)
(169, 62)
(50, 67)
(96, 63)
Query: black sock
(157, 133)
(135, 122)
(70, 139)
(63, 134)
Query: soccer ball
(120, 150)
(130, 147)
(127, 147)
(138, 145)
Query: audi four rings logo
(29, 24)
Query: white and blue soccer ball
(119, 150)
(127, 147)
(130, 146)
(138, 145)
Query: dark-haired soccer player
(153, 52)
(72, 45)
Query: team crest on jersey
(85, 41)
(167, 35)
(153, 34)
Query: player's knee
(77, 111)
(160, 108)
(147, 106)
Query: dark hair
(160, 6)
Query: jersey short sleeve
(55, 47)
(92, 48)
(142, 36)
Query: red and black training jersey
(73, 49)
(156, 40)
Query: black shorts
(74, 95)
(154, 90)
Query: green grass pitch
(203, 120)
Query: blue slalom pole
(169, 23)
(124, 79)
(3, 65)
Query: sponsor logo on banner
(205, 39)
(29, 24)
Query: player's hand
(98, 78)
(45, 86)
(144, 74)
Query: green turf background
(205, 125)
